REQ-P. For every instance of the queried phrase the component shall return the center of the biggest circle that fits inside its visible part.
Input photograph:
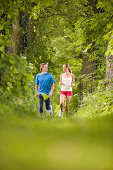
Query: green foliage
(16, 75)
(56, 32)
(96, 105)
(4, 4)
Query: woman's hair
(42, 65)
(67, 66)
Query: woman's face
(65, 68)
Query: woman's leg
(62, 97)
(68, 98)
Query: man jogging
(44, 85)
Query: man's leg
(40, 104)
(48, 106)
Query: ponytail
(70, 70)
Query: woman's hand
(72, 84)
(62, 84)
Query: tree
(62, 30)
(109, 63)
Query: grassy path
(32, 143)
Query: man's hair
(42, 65)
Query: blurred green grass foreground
(78, 142)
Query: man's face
(45, 68)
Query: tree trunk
(20, 36)
(86, 82)
(109, 64)
(15, 37)
(109, 71)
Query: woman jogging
(67, 80)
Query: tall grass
(96, 105)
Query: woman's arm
(60, 80)
(73, 80)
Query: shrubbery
(96, 104)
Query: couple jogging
(44, 85)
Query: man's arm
(36, 89)
(52, 88)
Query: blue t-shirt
(44, 81)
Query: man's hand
(50, 94)
(52, 88)
(36, 95)
(36, 90)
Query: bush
(96, 104)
